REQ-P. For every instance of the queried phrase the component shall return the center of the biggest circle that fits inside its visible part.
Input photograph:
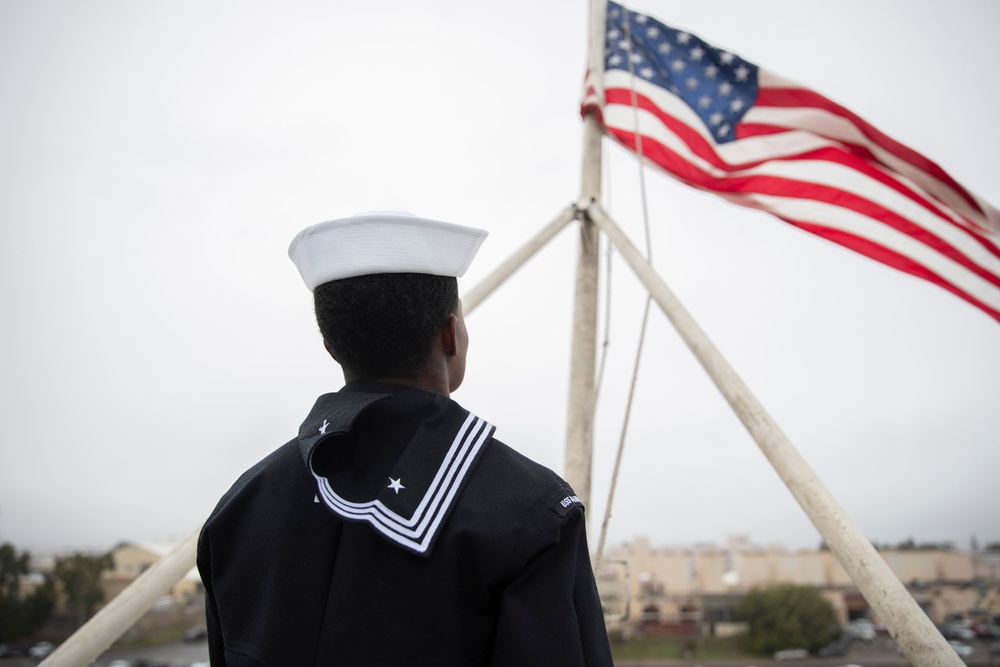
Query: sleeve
(550, 612)
(216, 648)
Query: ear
(329, 349)
(449, 336)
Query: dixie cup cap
(383, 242)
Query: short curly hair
(382, 325)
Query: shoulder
(517, 506)
(512, 487)
(513, 475)
(269, 482)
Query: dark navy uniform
(395, 530)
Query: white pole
(583, 355)
(111, 622)
(908, 625)
(487, 285)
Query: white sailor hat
(383, 242)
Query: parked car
(859, 628)
(986, 630)
(41, 650)
(963, 650)
(14, 651)
(196, 633)
(792, 654)
(838, 647)
(957, 630)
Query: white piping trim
(436, 500)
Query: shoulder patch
(565, 505)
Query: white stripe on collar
(417, 532)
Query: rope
(621, 443)
(649, 299)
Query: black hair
(382, 325)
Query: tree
(910, 544)
(80, 577)
(21, 615)
(788, 616)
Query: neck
(426, 382)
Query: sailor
(395, 529)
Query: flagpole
(907, 623)
(580, 410)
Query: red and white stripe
(820, 167)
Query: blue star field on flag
(719, 86)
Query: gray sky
(157, 158)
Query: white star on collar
(396, 484)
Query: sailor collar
(423, 484)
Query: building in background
(133, 558)
(692, 590)
(180, 610)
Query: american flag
(718, 122)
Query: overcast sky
(157, 158)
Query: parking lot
(173, 654)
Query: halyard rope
(645, 315)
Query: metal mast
(580, 412)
